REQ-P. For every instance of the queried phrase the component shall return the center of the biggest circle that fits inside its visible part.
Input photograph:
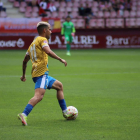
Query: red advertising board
(123, 41)
(55, 42)
(83, 40)
(15, 42)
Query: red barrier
(55, 42)
(15, 42)
(84, 39)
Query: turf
(104, 85)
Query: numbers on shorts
(33, 53)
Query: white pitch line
(5, 76)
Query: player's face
(48, 32)
(68, 19)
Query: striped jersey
(38, 56)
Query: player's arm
(53, 55)
(73, 31)
(24, 65)
(62, 32)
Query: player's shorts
(44, 81)
(69, 38)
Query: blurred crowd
(43, 5)
(83, 10)
(108, 5)
(104, 5)
(2, 8)
(115, 5)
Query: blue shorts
(44, 81)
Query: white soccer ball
(72, 110)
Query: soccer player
(67, 32)
(38, 53)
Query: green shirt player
(68, 31)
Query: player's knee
(60, 86)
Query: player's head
(44, 29)
(68, 18)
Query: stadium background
(106, 27)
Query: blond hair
(42, 23)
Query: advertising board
(83, 40)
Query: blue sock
(28, 109)
(62, 104)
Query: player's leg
(68, 48)
(40, 88)
(68, 44)
(38, 96)
(57, 85)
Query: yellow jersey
(38, 57)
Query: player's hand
(63, 37)
(22, 78)
(73, 34)
(63, 61)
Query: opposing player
(38, 52)
(67, 32)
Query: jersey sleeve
(44, 43)
(27, 53)
(62, 29)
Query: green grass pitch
(104, 85)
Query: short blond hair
(42, 23)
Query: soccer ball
(72, 110)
